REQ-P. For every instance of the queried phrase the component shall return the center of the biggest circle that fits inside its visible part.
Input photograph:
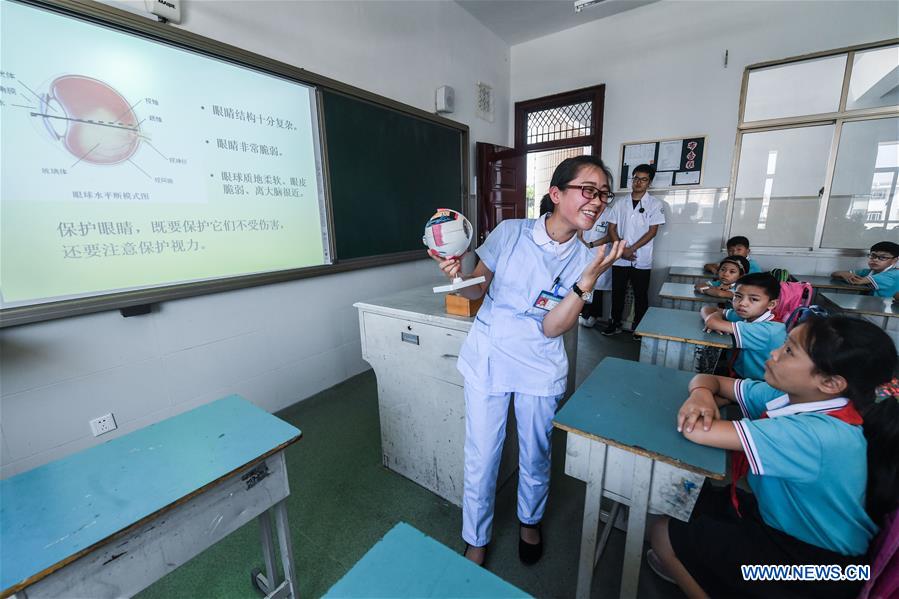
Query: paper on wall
(662, 179)
(669, 155)
(638, 154)
(686, 177)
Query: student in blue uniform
(751, 322)
(539, 275)
(730, 270)
(818, 440)
(737, 246)
(882, 274)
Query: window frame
(837, 119)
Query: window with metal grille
(563, 122)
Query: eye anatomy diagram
(92, 120)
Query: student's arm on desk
(707, 394)
(564, 316)
(452, 269)
(715, 322)
(851, 278)
(707, 311)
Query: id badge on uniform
(547, 300)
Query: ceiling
(517, 21)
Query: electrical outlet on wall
(103, 424)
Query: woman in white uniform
(538, 277)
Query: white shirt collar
(542, 238)
(646, 200)
(781, 406)
(768, 315)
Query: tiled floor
(343, 501)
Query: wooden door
(502, 179)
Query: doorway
(511, 181)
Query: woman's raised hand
(451, 267)
(602, 261)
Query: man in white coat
(635, 218)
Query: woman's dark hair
(763, 280)
(568, 170)
(546, 204)
(864, 355)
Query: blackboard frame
(141, 26)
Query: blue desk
(831, 285)
(623, 442)
(406, 563)
(677, 339)
(110, 520)
(682, 296)
(880, 310)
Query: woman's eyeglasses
(590, 193)
(802, 314)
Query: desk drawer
(413, 347)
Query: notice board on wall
(678, 161)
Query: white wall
(663, 69)
(276, 344)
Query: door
(501, 186)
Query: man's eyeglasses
(589, 193)
(880, 257)
(802, 314)
(641, 179)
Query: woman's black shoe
(528, 553)
(465, 554)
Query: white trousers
(485, 431)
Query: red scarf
(740, 463)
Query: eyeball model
(447, 233)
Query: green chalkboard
(388, 172)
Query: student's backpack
(783, 275)
(792, 296)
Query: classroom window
(863, 201)
(817, 160)
(780, 173)
(807, 87)
(563, 122)
(875, 79)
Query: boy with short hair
(882, 274)
(751, 322)
(736, 246)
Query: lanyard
(557, 281)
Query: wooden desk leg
(286, 547)
(590, 528)
(636, 526)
